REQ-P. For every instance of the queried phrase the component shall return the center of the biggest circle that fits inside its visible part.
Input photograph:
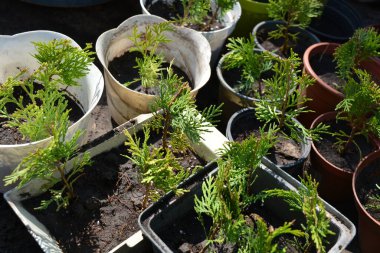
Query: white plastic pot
(207, 149)
(15, 53)
(190, 51)
(218, 37)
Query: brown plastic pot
(369, 227)
(323, 97)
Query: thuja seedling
(44, 163)
(252, 65)
(360, 108)
(226, 196)
(374, 202)
(294, 13)
(176, 116)
(317, 225)
(146, 43)
(36, 113)
(197, 12)
(363, 44)
(283, 100)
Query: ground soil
(286, 151)
(349, 160)
(175, 10)
(108, 204)
(10, 135)
(274, 45)
(325, 67)
(123, 69)
(367, 190)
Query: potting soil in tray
(124, 69)
(10, 135)
(286, 151)
(108, 204)
(350, 159)
(171, 10)
(368, 192)
(325, 67)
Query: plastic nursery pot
(323, 97)
(247, 116)
(189, 50)
(16, 53)
(368, 174)
(207, 149)
(253, 12)
(231, 99)
(215, 38)
(336, 24)
(66, 3)
(305, 38)
(156, 222)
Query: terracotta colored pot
(324, 97)
(369, 227)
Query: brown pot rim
(361, 166)
(329, 47)
(321, 118)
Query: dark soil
(368, 192)
(107, 207)
(274, 45)
(325, 67)
(14, 237)
(350, 159)
(10, 135)
(123, 69)
(286, 151)
(175, 10)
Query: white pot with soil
(188, 49)
(16, 53)
(102, 150)
(216, 37)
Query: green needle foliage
(316, 227)
(197, 12)
(45, 163)
(176, 116)
(147, 43)
(295, 13)
(283, 100)
(36, 112)
(252, 64)
(363, 44)
(179, 117)
(227, 195)
(360, 107)
(373, 204)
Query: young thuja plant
(146, 43)
(42, 100)
(197, 12)
(176, 116)
(294, 13)
(252, 65)
(306, 200)
(226, 197)
(360, 108)
(283, 100)
(45, 163)
(373, 204)
(363, 44)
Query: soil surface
(325, 67)
(124, 70)
(11, 135)
(351, 157)
(108, 204)
(367, 188)
(286, 151)
(174, 10)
